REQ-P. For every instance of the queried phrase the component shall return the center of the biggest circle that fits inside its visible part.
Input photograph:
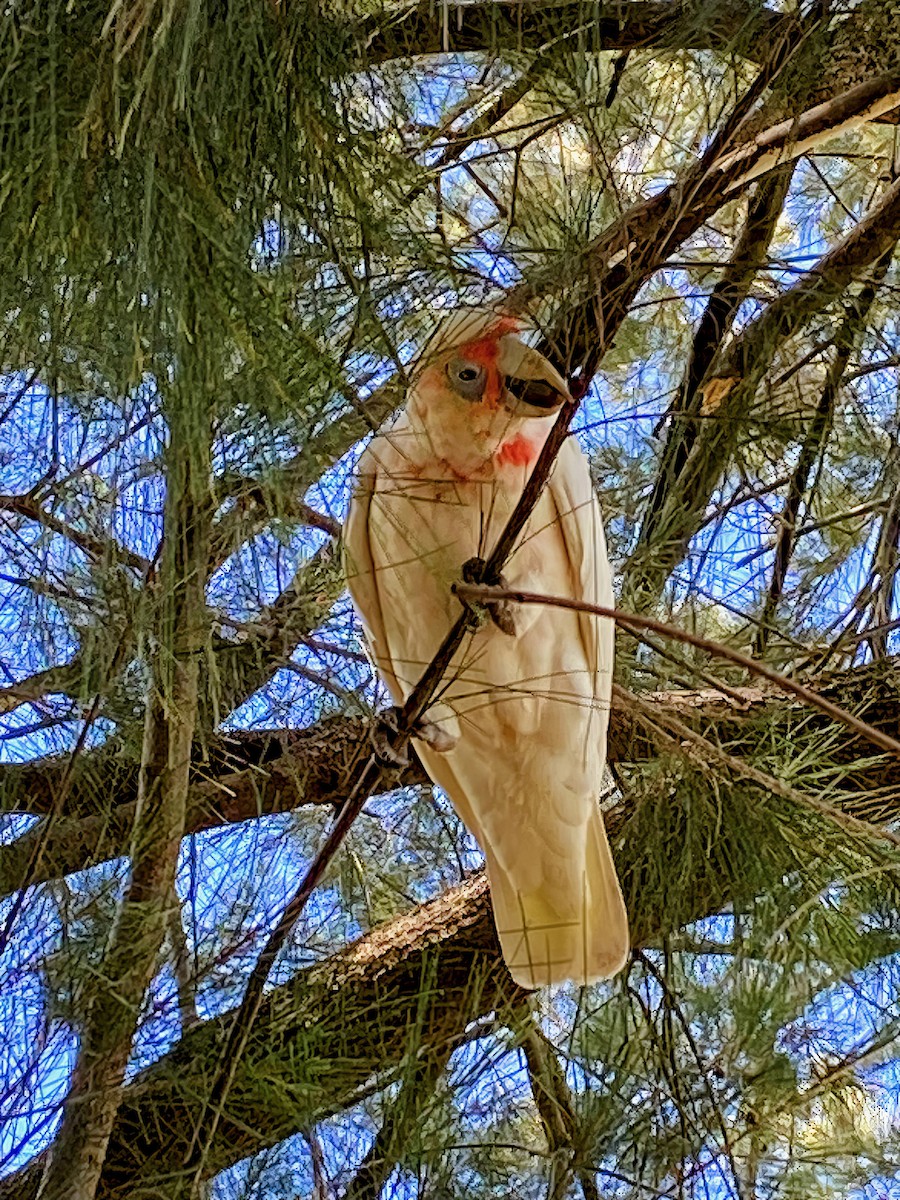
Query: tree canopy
(226, 231)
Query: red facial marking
(517, 452)
(484, 350)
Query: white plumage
(525, 715)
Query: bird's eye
(466, 378)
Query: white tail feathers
(543, 945)
(566, 929)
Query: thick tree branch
(633, 25)
(257, 503)
(251, 775)
(64, 678)
(410, 987)
(333, 1032)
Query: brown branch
(100, 549)
(457, 144)
(65, 678)
(845, 340)
(556, 1109)
(795, 136)
(528, 25)
(630, 621)
(725, 299)
(246, 776)
(257, 503)
(886, 561)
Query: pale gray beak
(534, 388)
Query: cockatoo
(516, 734)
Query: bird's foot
(386, 744)
(389, 752)
(474, 570)
(435, 737)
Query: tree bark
(74, 1167)
(251, 775)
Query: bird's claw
(435, 737)
(385, 740)
(389, 752)
(474, 570)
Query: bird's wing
(581, 526)
(359, 569)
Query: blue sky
(235, 872)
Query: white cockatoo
(516, 733)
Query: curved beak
(533, 388)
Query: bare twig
(98, 548)
(631, 621)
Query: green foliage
(225, 231)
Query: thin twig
(631, 621)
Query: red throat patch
(517, 452)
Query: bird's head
(477, 362)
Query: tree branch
(845, 340)
(631, 621)
(340, 1030)
(633, 25)
(724, 301)
(246, 776)
(732, 387)
(100, 549)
